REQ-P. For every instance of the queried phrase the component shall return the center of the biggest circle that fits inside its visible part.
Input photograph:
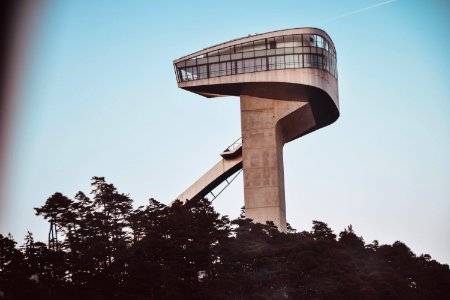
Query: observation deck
(287, 82)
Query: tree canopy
(100, 247)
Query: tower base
(266, 125)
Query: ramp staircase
(225, 171)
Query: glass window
(248, 54)
(320, 41)
(181, 74)
(191, 62)
(213, 59)
(225, 57)
(298, 50)
(225, 51)
(260, 45)
(306, 49)
(279, 42)
(271, 52)
(280, 51)
(297, 42)
(249, 65)
(260, 64)
(288, 50)
(289, 41)
(260, 53)
(272, 62)
(307, 59)
(326, 61)
(236, 56)
(271, 43)
(203, 72)
(291, 51)
(280, 62)
(223, 69)
(239, 67)
(201, 61)
(320, 61)
(300, 61)
(214, 70)
(291, 61)
(188, 73)
(247, 47)
(213, 53)
(229, 67)
(309, 40)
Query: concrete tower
(288, 87)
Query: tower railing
(236, 144)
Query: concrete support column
(267, 124)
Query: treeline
(99, 247)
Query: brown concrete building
(288, 87)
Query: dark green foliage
(102, 248)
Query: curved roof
(258, 36)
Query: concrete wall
(267, 124)
(235, 84)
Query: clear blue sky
(100, 99)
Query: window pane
(201, 61)
(191, 62)
(300, 61)
(271, 43)
(249, 65)
(225, 51)
(213, 70)
(213, 59)
(298, 50)
(239, 67)
(279, 42)
(297, 40)
(236, 56)
(260, 45)
(225, 57)
(289, 41)
(279, 51)
(320, 41)
(307, 58)
(280, 62)
(260, 64)
(213, 53)
(260, 53)
(203, 72)
(229, 68)
(309, 40)
(248, 54)
(288, 50)
(272, 62)
(289, 61)
(247, 47)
